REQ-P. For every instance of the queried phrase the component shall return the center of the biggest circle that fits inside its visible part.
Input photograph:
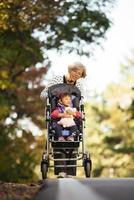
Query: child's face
(66, 101)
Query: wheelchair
(63, 156)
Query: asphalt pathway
(87, 189)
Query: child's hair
(63, 94)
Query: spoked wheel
(87, 163)
(44, 168)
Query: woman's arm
(54, 81)
(80, 86)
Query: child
(65, 115)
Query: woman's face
(75, 74)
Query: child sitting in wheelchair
(64, 117)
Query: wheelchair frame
(65, 154)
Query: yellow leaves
(4, 74)
(8, 15)
(3, 16)
(2, 5)
(5, 82)
(111, 139)
(3, 19)
(6, 85)
(3, 79)
(4, 111)
(119, 95)
(131, 123)
(117, 116)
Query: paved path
(87, 189)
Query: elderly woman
(76, 71)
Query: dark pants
(58, 130)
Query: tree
(70, 24)
(111, 126)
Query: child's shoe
(70, 138)
(61, 139)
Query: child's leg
(73, 129)
(58, 130)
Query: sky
(103, 68)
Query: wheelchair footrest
(66, 166)
(66, 144)
(64, 159)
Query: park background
(40, 39)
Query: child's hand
(70, 111)
(67, 115)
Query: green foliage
(97, 171)
(65, 24)
(5, 105)
(110, 128)
(19, 51)
(17, 159)
(77, 23)
(112, 140)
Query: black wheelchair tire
(87, 168)
(44, 170)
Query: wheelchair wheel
(44, 168)
(87, 163)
